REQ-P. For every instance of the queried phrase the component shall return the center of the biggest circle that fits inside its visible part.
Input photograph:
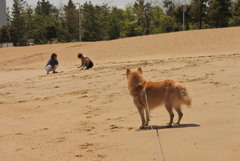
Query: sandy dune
(89, 116)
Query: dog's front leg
(147, 116)
(141, 112)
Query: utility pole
(200, 13)
(79, 19)
(184, 9)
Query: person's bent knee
(49, 68)
(55, 67)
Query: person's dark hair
(80, 55)
(53, 55)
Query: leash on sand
(158, 136)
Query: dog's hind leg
(141, 112)
(180, 114)
(169, 109)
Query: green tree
(101, 22)
(45, 15)
(102, 19)
(44, 8)
(219, 13)
(90, 25)
(115, 19)
(129, 25)
(142, 10)
(235, 9)
(18, 22)
(62, 32)
(160, 22)
(198, 13)
(5, 35)
(168, 24)
(29, 22)
(71, 19)
(155, 24)
(169, 7)
(50, 32)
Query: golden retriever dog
(171, 94)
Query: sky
(60, 3)
(117, 3)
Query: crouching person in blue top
(52, 64)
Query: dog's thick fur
(168, 92)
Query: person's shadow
(174, 126)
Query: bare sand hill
(89, 116)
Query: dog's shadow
(156, 127)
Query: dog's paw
(169, 125)
(141, 127)
(176, 124)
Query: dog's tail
(183, 95)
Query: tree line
(46, 23)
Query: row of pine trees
(46, 23)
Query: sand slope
(89, 116)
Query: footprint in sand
(47, 98)
(20, 149)
(117, 118)
(79, 156)
(215, 83)
(209, 74)
(130, 128)
(104, 136)
(114, 127)
(93, 100)
(88, 112)
(43, 129)
(86, 145)
(101, 156)
(84, 96)
(89, 151)
(60, 139)
(195, 80)
(22, 101)
(89, 129)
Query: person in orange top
(86, 62)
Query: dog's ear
(140, 70)
(128, 72)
